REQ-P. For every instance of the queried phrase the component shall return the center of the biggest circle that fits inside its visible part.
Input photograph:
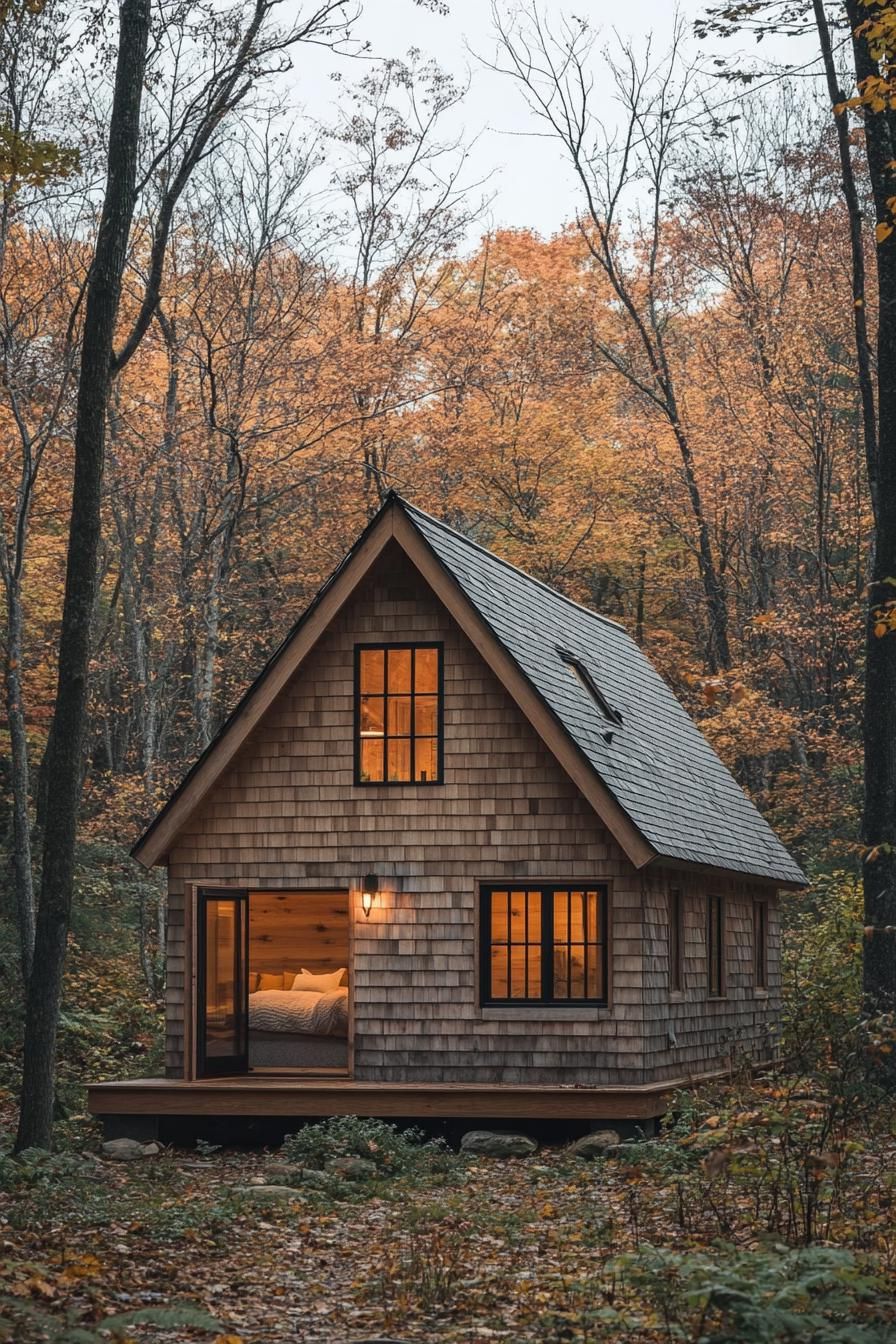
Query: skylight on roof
(584, 677)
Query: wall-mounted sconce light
(369, 888)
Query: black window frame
(676, 940)
(715, 985)
(412, 646)
(547, 890)
(760, 945)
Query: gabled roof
(595, 699)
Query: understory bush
(787, 1160)
(821, 971)
(769, 1296)
(24, 1322)
(393, 1151)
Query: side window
(760, 944)
(398, 714)
(715, 947)
(676, 940)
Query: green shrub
(26, 1322)
(393, 1151)
(821, 971)
(768, 1296)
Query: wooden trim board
(257, 1096)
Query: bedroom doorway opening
(298, 981)
(273, 982)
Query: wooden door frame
(191, 971)
(240, 897)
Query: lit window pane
(499, 973)
(534, 916)
(426, 715)
(372, 671)
(372, 758)
(595, 974)
(561, 916)
(517, 972)
(561, 971)
(399, 716)
(399, 758)
(500, 930)
(534, 955)
(577, 973)
(518, 916)
(426, 670)
(372, 713)
(592, 917)
(399, 670)
(426, 759)
(577, 917)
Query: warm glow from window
(398, 715)
(543, 945)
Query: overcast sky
(527, 177)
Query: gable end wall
(287, 815)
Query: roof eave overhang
(729, 874)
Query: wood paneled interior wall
(286, 814)
(289, 930)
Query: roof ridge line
(508, 564)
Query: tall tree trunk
(21, 818)
(64, 772)
(879, 730)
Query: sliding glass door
(222, 983)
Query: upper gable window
(398, 714)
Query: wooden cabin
(459, 851)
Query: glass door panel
(222, 1016)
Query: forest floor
(706, 1229)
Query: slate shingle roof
(656, 763)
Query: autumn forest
(676, 410)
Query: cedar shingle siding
(286, 814)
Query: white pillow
(322, 984)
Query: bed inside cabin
(298, 969)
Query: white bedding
(300, 1010)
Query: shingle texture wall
(286, 814)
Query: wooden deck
(258, 1096)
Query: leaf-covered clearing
(762, 1213)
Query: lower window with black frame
(543, 944)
